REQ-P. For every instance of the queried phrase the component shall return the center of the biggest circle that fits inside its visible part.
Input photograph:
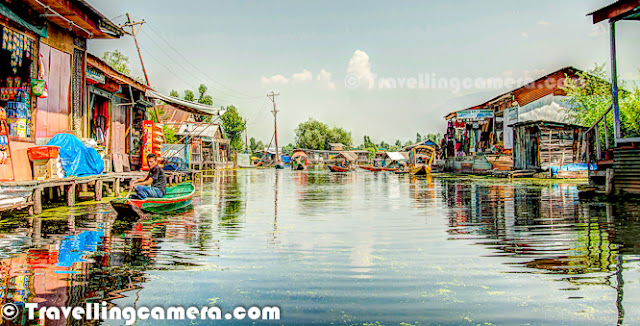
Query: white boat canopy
(395, 156)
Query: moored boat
(420, 159)
(176, 198)
(344, 162)
(385, 161)
(335, 168)
(299, 160)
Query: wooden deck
(30, 194)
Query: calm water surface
(357, 248)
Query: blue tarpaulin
(76, 159)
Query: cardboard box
(45, 169)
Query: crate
(45, 169)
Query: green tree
(589, 96)
(398, 143)
(436, 138)
(169, 134)
(203, 98)
(287, 148)
(418, 138)
(188, 95)
(338, 135)
(252, 144)
(233, 125)
(368, 143)
(118, 61)
(255, 145)
(310, 138)
(313, 134)
(174, 93)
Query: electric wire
(199, 70)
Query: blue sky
(308, 51)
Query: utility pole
(272, 96)
(134, 33)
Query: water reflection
(546, 230)
(343, 249)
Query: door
(52, 113)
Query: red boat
(335, 168)
(344, 162)
(384, 161)
(376, 168)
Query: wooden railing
(592, 136)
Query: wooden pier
(30, 195)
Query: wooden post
(116, 187)
(84, 187)
(37, 201)
(606, 134)
(71, 194)
(609, 188)
(98, 190)
(598, 150)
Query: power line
(188, 83)
(166, 68)
(176, 62)
(197, 69)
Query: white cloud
(544, 23)
(325, 77)
(360, 69)
(304, 75)
(524, 34)
(598, 30)
(275, 79)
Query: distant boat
(335, 168)
(299, 161)
(420, 159)
(344, 162)
(380, 162)
(176, 198)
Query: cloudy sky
(373, 67)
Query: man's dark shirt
(159, 179)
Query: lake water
(355, 248)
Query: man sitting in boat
(154, 185)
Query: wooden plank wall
(626, 166)
(556, 147)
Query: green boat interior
(179, 190)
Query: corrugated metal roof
(532, 91)
(619, 10)
(541, 87)
(119, 77)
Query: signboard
(475, 114)
(95, 76)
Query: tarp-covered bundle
(76, 159)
